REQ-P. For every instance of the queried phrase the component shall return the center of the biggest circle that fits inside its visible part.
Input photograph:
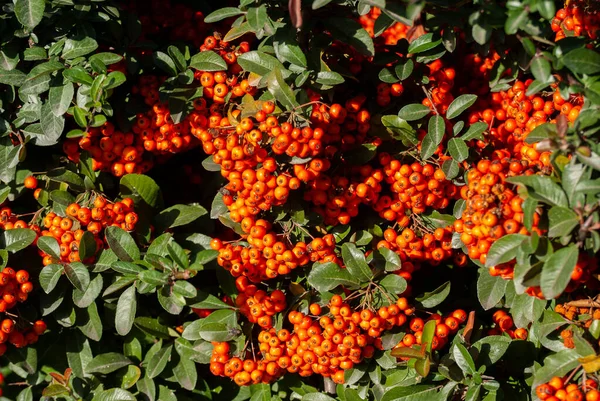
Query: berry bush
(311, 200)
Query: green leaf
(288, 49)
(178, 215)
(78, 275)
(541, 69)
(60, 98)
(542, 188)
(221, 14)
(463, 359)
(351, 32)
(152, 326)
(107, 363)
(329, 78)
(122, 244)
(475, 131)
(491, 349)
(256, 17)
(78, 75)
(87, 246)
(158, 362)
(83, 299)
(147, 389)
(490, 289)
(77, 48)
(393, 284)
(326, 276)
(316, 396)
(142, 189)
(127, 268)
(434, 136)
(68, 177)
(435, 297)
(385, 75)
(114, 79)
(49, 245)
(126, 308)
(16, 239)
(355, 262)
(557, 271)
(516, 19)
(12, 77)
(582, 61)
(186, 374)
(504, 249)
(208, 61)
(184, 289)
(55, 390)
(281, 90)
(417, 392)
(460, 104)
(164, 62)
(423, 43)
(458, 149)
(154, 278)
(178, 58)
(115, 394)
(106, 58)
(29, 12)
(413, 112)
(204, 300)
(49, 277)
(404, 69)
(52, 126)
(400, 129)
(391, 260)
(561, 221)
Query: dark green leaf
(434, 136)
(490, 289)
(460, 104)
(557, 271)
(435, 297)
(504, 249)
(413, 112)
(122, 244)
(208, 61)
(126, 309)
(49, 276)
(29, 12)
(78, 275)
(582, 61)
(107, 363)
(221, 14)
(327, 276)
(16, 239)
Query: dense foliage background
(299, 200)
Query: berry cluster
(444, 327)
(14, 288)
(257, 305)
(69, 230)
(492, 209)
(505, 324)
(391, 35)
(557, 389)
(577, 18)
(267, 256)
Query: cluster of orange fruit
(492, 209)
(154, 133)
(14, 288)
(391, 35)
(444, 327)
(326, 344)
(111, 150)
(439, 96)
(505, 324)
(269, 256)
(69, 230)
(257, 305)
(557, 389)
(577, 18)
